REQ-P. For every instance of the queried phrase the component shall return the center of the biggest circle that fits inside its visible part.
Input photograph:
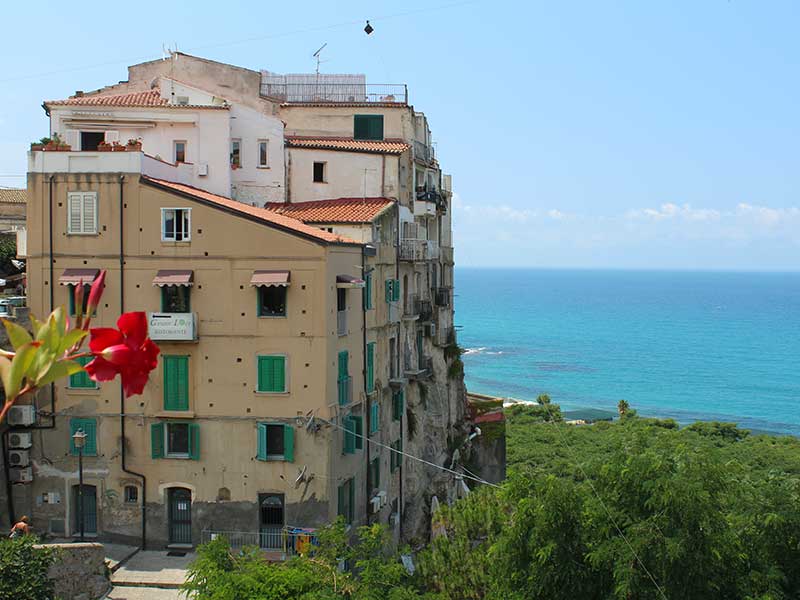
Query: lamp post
(79, 439)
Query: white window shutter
(112, 136)
(89, 213)
(74, 208)
(72, 137)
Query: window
(368, 127)
(396, 459)
(392, 290)
(275, 442)
(343, 378)
(263, 154)
(341, 299)
(175, 299)
(176, 224)
(236, 153)
(398, 402)
(82, 208)
(320, 176)
(272, 374)
(81, 379)
(71, 290)
(347, 502)
(175, 440)
(374, 473)
(91, 139)
(89, 427)
(371, 367)
(180, 151)
(131, 494)
(374, 417)
(176, 382)
(368, 291)
(352, 439)
(272, 301)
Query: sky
(606, 134)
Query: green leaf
(36, 325)
(70, 339)
(5, 371)
(19, 367)
(58, 370)
(16, 334)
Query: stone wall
(80, 571)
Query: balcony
(341, 322)
(416, 250)
(425, 311)
(441, 296)
(309, 91)
(446, 254)
(172, 327)
(424, 152)
(278, 543)
(445, 336)
(422, 369)
(411, 307)
(422, 208)
(345, 387)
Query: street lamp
(78, 440)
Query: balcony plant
(134, 145)
(40, 144)
(117, 147)
(104, 147)
(50, 353)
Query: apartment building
(302, 317)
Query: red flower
(127, 352)
(96, 292)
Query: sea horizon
(691, 345)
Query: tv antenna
(318, 57)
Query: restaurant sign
(172, 326)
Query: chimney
(79, 93)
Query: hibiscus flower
(127, 352)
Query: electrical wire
(602, 503)
(245, 40)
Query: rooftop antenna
(317, 56)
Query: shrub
(23, 569)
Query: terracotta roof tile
(339, 210)
(263, 215)
(348, 144)
(13, 196)
(150, 98)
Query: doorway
(270, 517)
(179, 502)
(88, 512)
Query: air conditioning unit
(22, 415)
(375, 504)
(202, 169)
(19, 439)
(431, 329)
(23, 475)
(383, 498)
(19, 458)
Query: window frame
(369, 126)
(90, 444)
(287, 442)
(346, 500)
(71, 291)
(180, 455)
(237, 164)
(374, 417)
(83, 230)
(188, 401)
(83, 361)
(175, 151)
(187, 233)
(126, 497)
(285, 358)
(324, 171)
(265, 164)
(260, 304)
(184, 289)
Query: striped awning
(174, 277)
(75, 276)
(349, 281)
(270, 279)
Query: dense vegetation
(635, 509)
(23, 569)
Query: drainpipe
(399, 361)
(121, 390)
(368, 411)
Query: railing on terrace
(424, 152)
(425, 310)
(341, 322)
(412, 249)
(411, 306)
(345, 391)
(445, 336)
(287, 540)
(441, 296)
(386, 93)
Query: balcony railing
(288, 541)
(425, 310)
(411, 307)
(345, 391)
(341, 322)
(441, 296)
(415, 250)
(421, 368)
(383, 93)
(445, 336)
(424, 152)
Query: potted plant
(53, 143)
(40, 144)
(134, 145)
(104, 147)
(117, 147)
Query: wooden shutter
(389, 294)
(157, 440)
(75, 208)
(368, 292)
(343, 365)
(360, 127)
(396, 290)
(288, 443)
(349, 446)
(359, 423)
(89, 213)
(89, 427)
(271, 373)
(194, 441)
(370, 366)
(376, 127)
(81, 379)
(176, 383)
(261, 433)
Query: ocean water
(686, 345)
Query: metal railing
(445, 336)
(412, 249)
(287, 540)
(341, 322)
(425, 310)
(423, 151)
(441, 296)
(385, 93)
(345, 387)
(411, 306)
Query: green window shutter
(368, 291)
(81, 379)
(194, 441)
(389, 284)
(359, 421)
(157, 440)
(368, 127)
(396, 290)
(272, 374)
(89, 427)
(288, 443)
(377, 481)
(261, 432)
(374, 417)
(344, 369)
(397, 405)
(352, 507)
(370, 366)
(176, 383)
(349, 445)
(340, 504)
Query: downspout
(399, 352)
(368, 411)
(121, 389)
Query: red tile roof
(262, 215)
(150, 98)
(492, 417)
(13, 196)
(339, 210)
(348, 144)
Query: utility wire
(411, 456)
(245, 40)
(602, 503)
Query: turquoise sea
(686, 345)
